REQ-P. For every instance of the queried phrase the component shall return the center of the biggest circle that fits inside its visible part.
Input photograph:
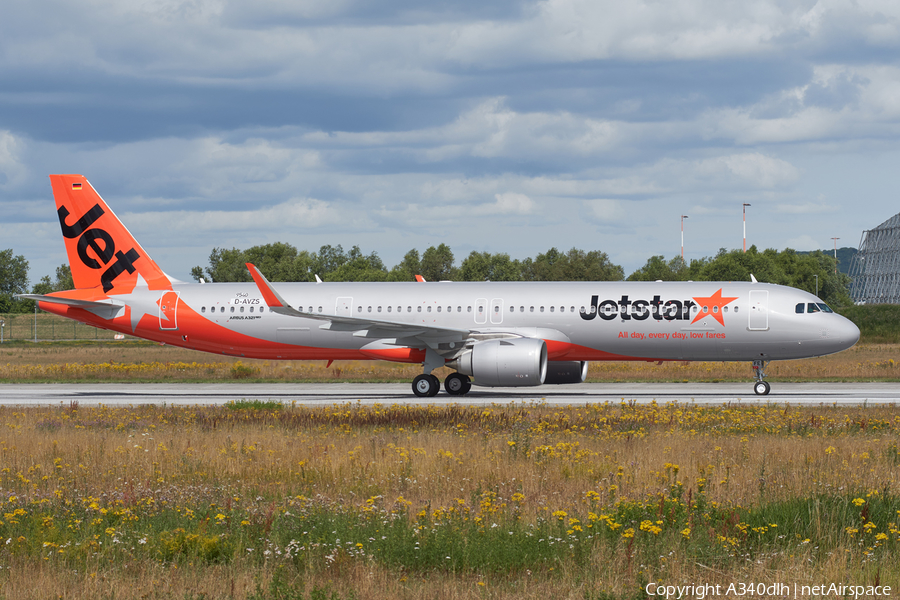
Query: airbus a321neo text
(491, 334)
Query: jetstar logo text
(100, 243)
(627, 309)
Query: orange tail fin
(102, 252)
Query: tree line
(283, 262)
(813, 271)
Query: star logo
(715, 303)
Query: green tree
(13, 280)
(657, 269)
(226, 265)
(484, 266)
(575, 265)
(360, 267)
(437, 264)
(408, 268)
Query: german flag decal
(76, 186)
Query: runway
(204, 394)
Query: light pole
(817, 285)
(2, 325)
(683, 217)
(835, 254)
(745, 225)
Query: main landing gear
(761, 387)
(428, 386)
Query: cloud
(12, 170)
(807, 208)
(604, 210)
(508, 203)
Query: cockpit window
(799, 309)
(825, 307)
(812, 307)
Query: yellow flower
(858, 501)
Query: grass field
(259, 500)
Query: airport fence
(42, 327)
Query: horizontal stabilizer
(105, 309)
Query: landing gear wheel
(761, 388)
(426, 386)
(457, 384)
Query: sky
(500, 126)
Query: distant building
(875, 269)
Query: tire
(424, 386)
(457, 384)
(435, 386)
(761, 388)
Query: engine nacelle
(512, 362)
(571, 371)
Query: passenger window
(418, 309)
(512, 308)
(439, 309)
(389, 309)
(242, 309)
(531, 309)
(582, 310)
(409, 309)
(223, 309)
(496, 310)
(232, 309)
(736, 309)
(251, 309)
(571, 309)
(428, 309)
(468, 309)
(359, 309)
(379, 309)
(715, 309)
(261, 308)
(521, 309)
(459, 309)
(320, 309)
(370, 309)
(542, 309)
(799, 309)
(203, 309)
(724, 309)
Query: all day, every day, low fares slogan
(668, 310)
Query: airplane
(492, 334)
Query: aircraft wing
(362, 327)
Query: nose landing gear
(761, 387)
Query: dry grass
(130, 361)
(157, 469)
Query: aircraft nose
(846, 332)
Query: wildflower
(858, 501)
